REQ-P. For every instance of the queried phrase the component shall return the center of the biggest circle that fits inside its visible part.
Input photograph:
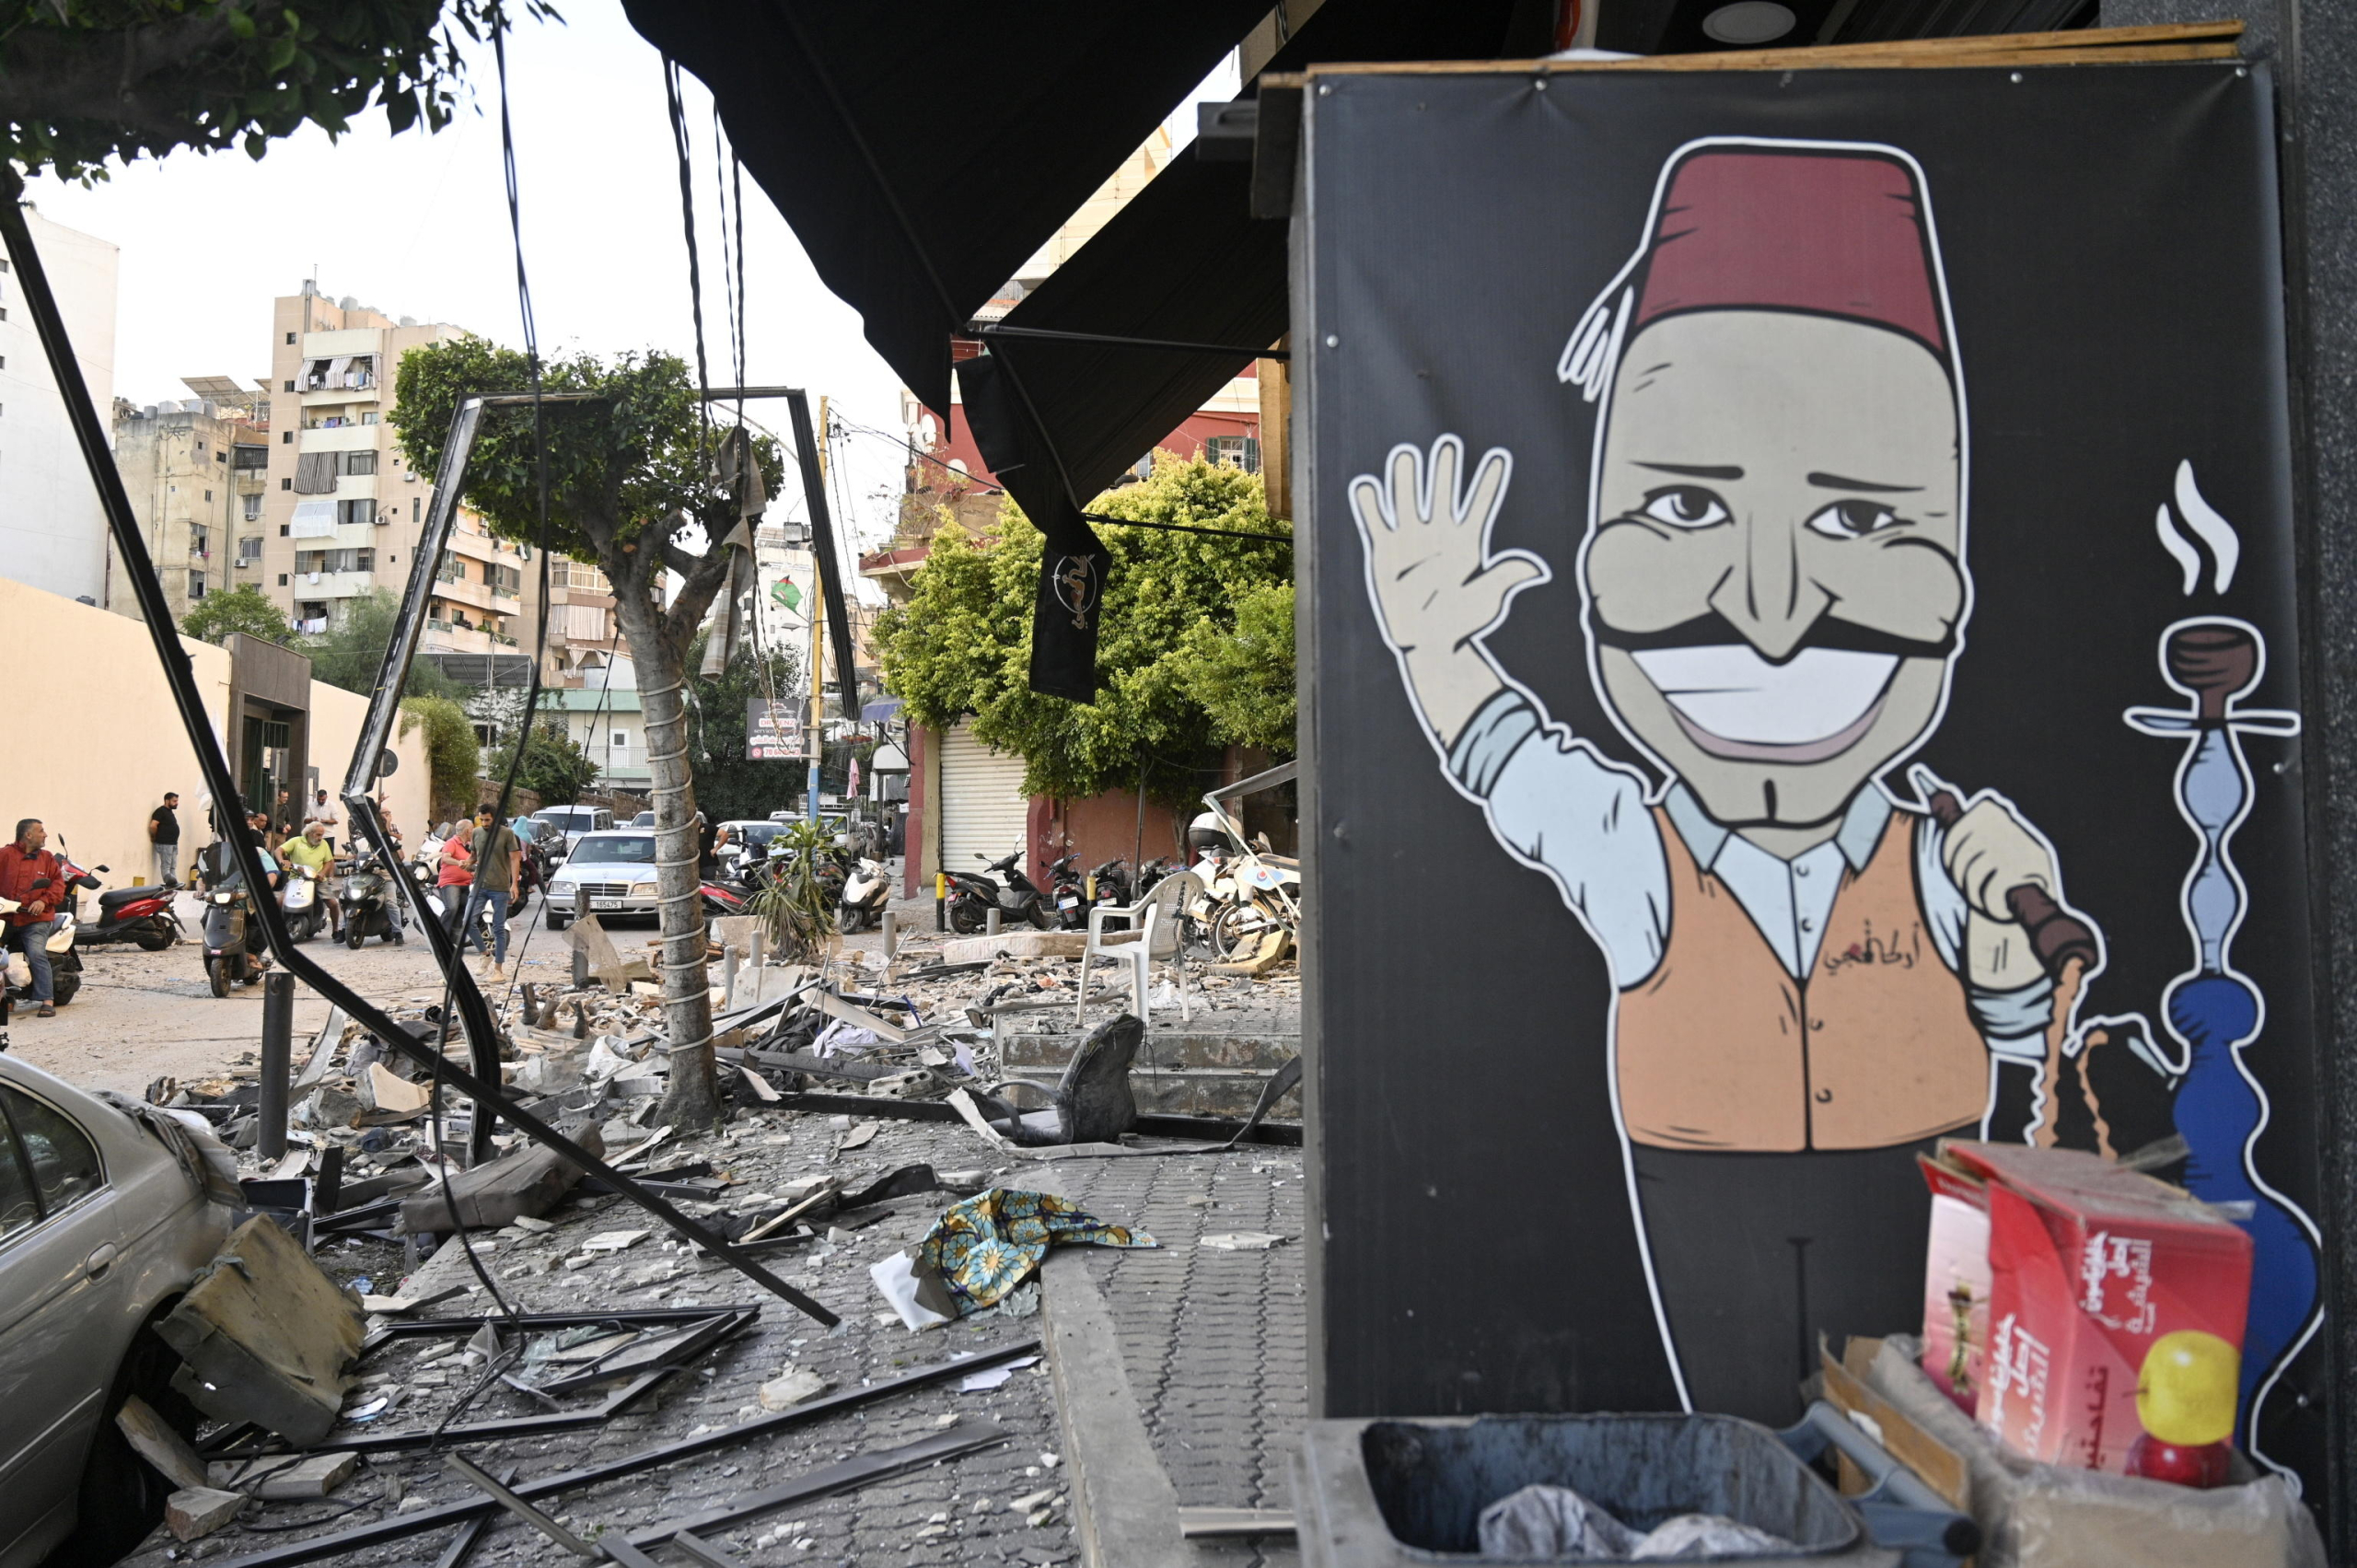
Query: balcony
(448, 638)
(324, 397)
(332, 585)
(342, 438)
(621, 764)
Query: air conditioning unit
(244, 562)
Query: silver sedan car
(617, 867)
(102, 1227)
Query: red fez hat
(1838, 232)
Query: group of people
(485, 860)
(488, 861)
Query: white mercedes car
(618, 869)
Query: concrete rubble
(820, 1194)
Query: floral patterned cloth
(985, 1246)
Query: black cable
(1184, 527)
(688, 217)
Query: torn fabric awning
(1184, 260)
(920, 163)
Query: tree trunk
(693, 1100)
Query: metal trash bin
(1377, 1493)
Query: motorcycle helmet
(1205, 833)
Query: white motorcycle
(299, 898)
(866, 892)
(64, 963)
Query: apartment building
(342, 513)
(196, 472)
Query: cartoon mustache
(1712, 629)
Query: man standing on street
(497, 863)
(322, 811)
(164, 830)
(22, 864)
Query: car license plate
(607, 903)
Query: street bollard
(729, 978)
(891, 936)
(277, 1062)
(940, 902)
(580, 953)
(990, 921)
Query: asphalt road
(143, 1016)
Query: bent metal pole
(489, 1096)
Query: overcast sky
(416, 224)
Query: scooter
(1066, 896)
(298, 897)
(64, 963)
(866, 892)
(370, 905)
(126, 914)
(234, 940)
(972, 895)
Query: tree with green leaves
(1195, 651)
(82, 81)
(453, 757)
(555, 767)
(351, 652)
(730, 784)
(632, 483)
(242, 609)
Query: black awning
(923, 154)
(1185, 261)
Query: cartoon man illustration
(1815, 979)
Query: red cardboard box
(1955, 1283)
(2116, 1314)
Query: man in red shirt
(22, 864)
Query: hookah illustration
(2213, 1012)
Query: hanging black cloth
(1074, 562)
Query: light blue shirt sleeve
(2014, 1022)
(1557, 805)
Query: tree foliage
(242, 609)
(351, 651)
(1195, 651)
(555, 767)
(1242, 673)
(82, 81)
(452, 757)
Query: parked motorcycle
(866, 892)
(1067, 897)
(143, 915)
(972, 895)
(371, 906)
(299, 898)
(234, 939)
(64, 963)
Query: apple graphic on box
(2185, 1397)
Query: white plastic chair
(1155, 920)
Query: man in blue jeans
(497, 858)
(22, 864)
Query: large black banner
(1801, 662)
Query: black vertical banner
(1816, 551)
(1072, 560)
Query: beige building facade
(96, 786)
(52, 531)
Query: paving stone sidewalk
(1212, 1340)
(954, 1512)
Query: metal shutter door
(984, 808)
